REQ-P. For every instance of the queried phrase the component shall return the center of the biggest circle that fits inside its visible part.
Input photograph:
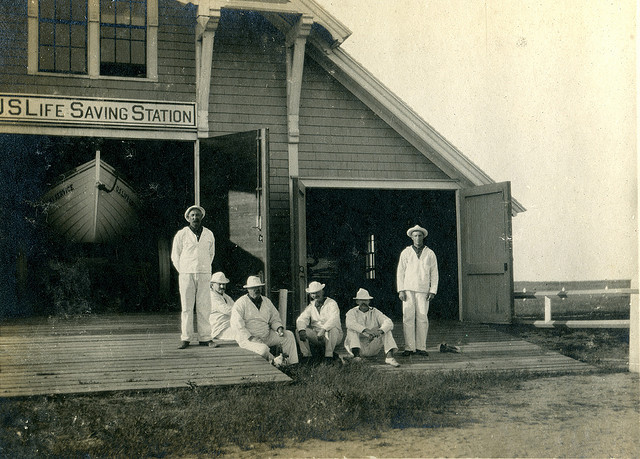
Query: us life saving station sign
(96, 112)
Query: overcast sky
(539, 93)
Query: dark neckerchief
(197, 233)
(256, 301)
(418, 251)
(319, 303)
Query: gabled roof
(326, 36)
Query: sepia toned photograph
(319, 228)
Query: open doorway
(355, 236)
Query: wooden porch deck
(134, 352)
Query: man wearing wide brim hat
(319, 325)
(256, 324)
(192, 253)
(417, 283)
(221, 305)
(369, 331)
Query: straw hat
(417, 228)
(253, 281)
(219, 278)
(315, 287)
(363, 295)
(186, 212)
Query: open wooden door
(234, 190)
(299, 244)
(486, 254)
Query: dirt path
(564, 416)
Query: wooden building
(308, 167)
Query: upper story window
(112, 38)
(123, 37)
(62, 36)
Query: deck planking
(138, 352)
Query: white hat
(363, 295)
(253, 281)
(315, 287)
(219, 278)
(186, 212)
(417, 228)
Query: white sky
(539, 93)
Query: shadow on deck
(136, 352)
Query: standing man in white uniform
(192, 253)
(417, 281)
(319, 324)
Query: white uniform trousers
(369, 347)
(194, 289)
(415, 323)
(288, 343)
(331, 339)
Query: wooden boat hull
(91, 204)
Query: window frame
(93, 43)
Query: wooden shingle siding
(176, 61)
(342, 137)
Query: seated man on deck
(221, 305)
(255, 321)
(319, 324)
(369, 331)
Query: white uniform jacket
(190, 255)
(357, 320)
(327, 318)
(417, 274)
(220, 318)
(247, 320)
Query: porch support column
(296, 40)
(206, 26)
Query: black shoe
(407, 353)
(205, 343)
(422, 353)
(184, 345)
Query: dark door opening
(355, 236)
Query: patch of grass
(322, 402)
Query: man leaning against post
(192, 254)
(221, 305)
(417, 282)
(319, 324)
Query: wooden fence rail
(633, 324)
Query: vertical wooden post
(282, 306)
(634, 330)
(547, 309)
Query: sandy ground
(564, 416)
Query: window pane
(62, 35)
(47, 9)
(107, 50)
(78, 61)
(108, 32)
(79, 11)
(123, 33)
(107, 11)
(123, 14)
(46, 33)
(139, 13)
(78, 36)
(46, 58)
(63, 9)
(139, 34)
(138, 53)
(62, 59)
(122, 51)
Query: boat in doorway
(91, 203)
